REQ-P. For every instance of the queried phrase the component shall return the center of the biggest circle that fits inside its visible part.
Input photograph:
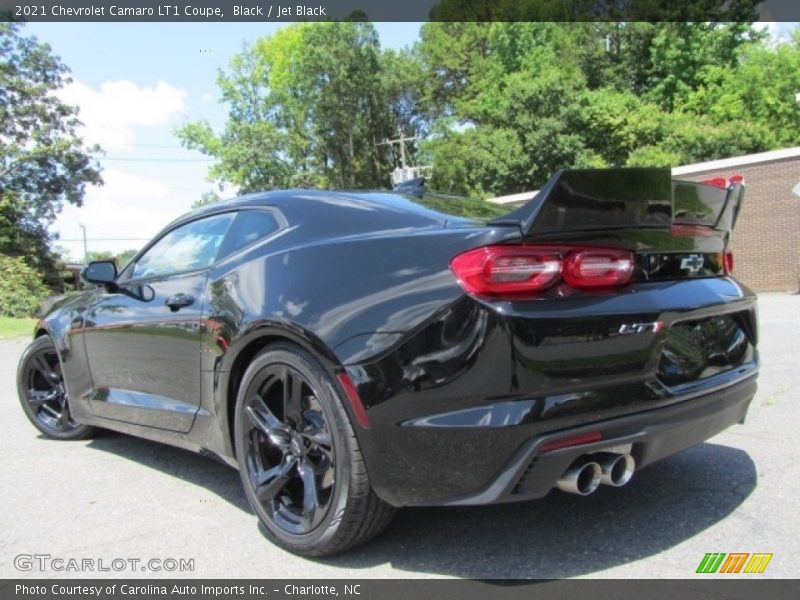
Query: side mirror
(100, 272)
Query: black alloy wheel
(289, 454)
(299, 459)
(43, 395)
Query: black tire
(42, 393)
(280, 448)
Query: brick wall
(766, 243)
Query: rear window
(457, 206)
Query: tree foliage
(530, 98)
(502, 105)
(43, 162)
(122, 258)
(21, 287)
(307, 106)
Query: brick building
(766, 243)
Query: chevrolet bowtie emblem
(693, 263)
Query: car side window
(191, 246)
(248, 227)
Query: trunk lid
(678, 229)
(625, 198)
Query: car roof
(360, 210)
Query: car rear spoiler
(625, 198)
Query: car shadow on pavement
(561, 535)
(216, 477)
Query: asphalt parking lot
(121, 497)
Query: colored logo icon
(734, 562)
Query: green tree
(43, 161)
(92, 255)
(122, 258)
(503, 105)
(513, 102)
(758, 94)
(590, 10)
(307, 106)
(21, 287)
(206, 198)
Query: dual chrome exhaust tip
(586, 474)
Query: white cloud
(111, 113)
(779, 31)
(207, 97)
(124, 213)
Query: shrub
(21, 288)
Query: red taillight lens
(525, 270)
(598, 268)
(721, 182)
(499, 270)
(728, 262)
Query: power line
(117, 159)
(150, 146)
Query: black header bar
(392, 10)
(705, 587)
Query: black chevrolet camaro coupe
(352, 352)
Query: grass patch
(10, 327)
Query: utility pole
(85, 248)
(402, 141)
(404, 172)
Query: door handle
(179, 301)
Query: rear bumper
(460, 407)
(653, 435)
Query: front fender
(64, 323)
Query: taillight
(598, 268)
(498, 270)
(518, 270)
(719, 182)
(728, 262)
(723, 183)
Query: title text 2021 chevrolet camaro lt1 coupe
(351, 352)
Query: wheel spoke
(312, 514)
(36, 398)
(271, 481)
(292, 398)
(51, 411)
(266, 422)
(63, 419)
(42, 366)
(253, 459)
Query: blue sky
(135, 83)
